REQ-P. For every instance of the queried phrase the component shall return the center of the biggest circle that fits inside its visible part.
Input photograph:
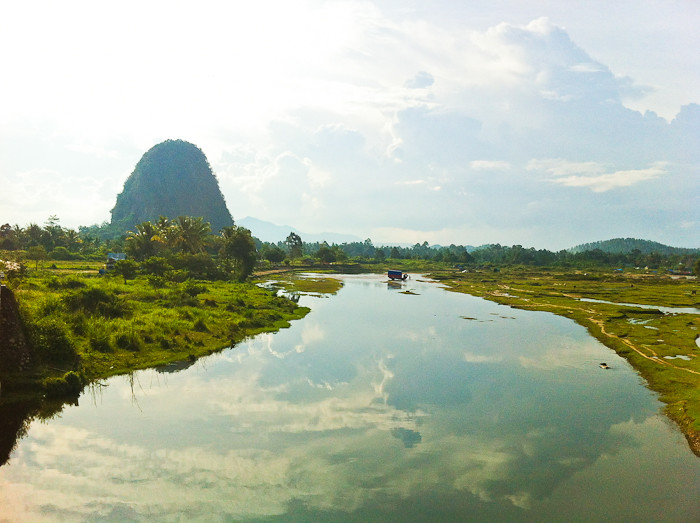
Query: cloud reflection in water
(440, 417)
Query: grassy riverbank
(661, 347)
(99, 326)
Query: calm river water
(379, 405)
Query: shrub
(61, 253)
(157, 282)
(70, 384)
(192, 288)
(130, 341)
(156, 266)
(79, 324)
(49, 307)
(177, 276)
(53, 341)
(200, 326)
(199, 266)
(98, 338)
(95, 300)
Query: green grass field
(102, 326)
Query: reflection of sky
(378, 404)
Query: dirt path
(652, 356)
(272, 271)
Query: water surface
(379, 405)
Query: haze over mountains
(270, 232)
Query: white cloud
(490, 165)
(606, 182)
(470, 357)
(592, 176)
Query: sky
(545, 124)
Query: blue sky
(546, 124)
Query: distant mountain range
(272, 233)
(627, 245)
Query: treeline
(235, 251)
(501, 255)
(184, 244)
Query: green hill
(172, 179)
(628, 245)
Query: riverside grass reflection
(378, 405)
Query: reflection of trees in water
(16, 415)
(175, 366)
(410, 438)
(15, 419)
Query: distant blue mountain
(273, 233)
(627, 245)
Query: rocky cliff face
(172, 179)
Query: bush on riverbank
(70, 384)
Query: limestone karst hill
(172, 179)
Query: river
(388, 402)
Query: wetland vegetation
(660, 346)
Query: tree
(326, 254)
(273, 253)
(156, 265)
(295, 245)
(238, 248)
(696, 268)
(166, 231)
(36, 253)
(126, 268)
(53, 233)
(145, 242)
(191, 234)
(34, 235)
(72, 239)
(9, 239)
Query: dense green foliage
(500, 255)
(98, 325)
(186, 243)
(172, 179)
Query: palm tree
(144, 242)
(166, 231)
(34, 235)
(72, 239)
(191, 234)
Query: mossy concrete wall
(15, 353)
